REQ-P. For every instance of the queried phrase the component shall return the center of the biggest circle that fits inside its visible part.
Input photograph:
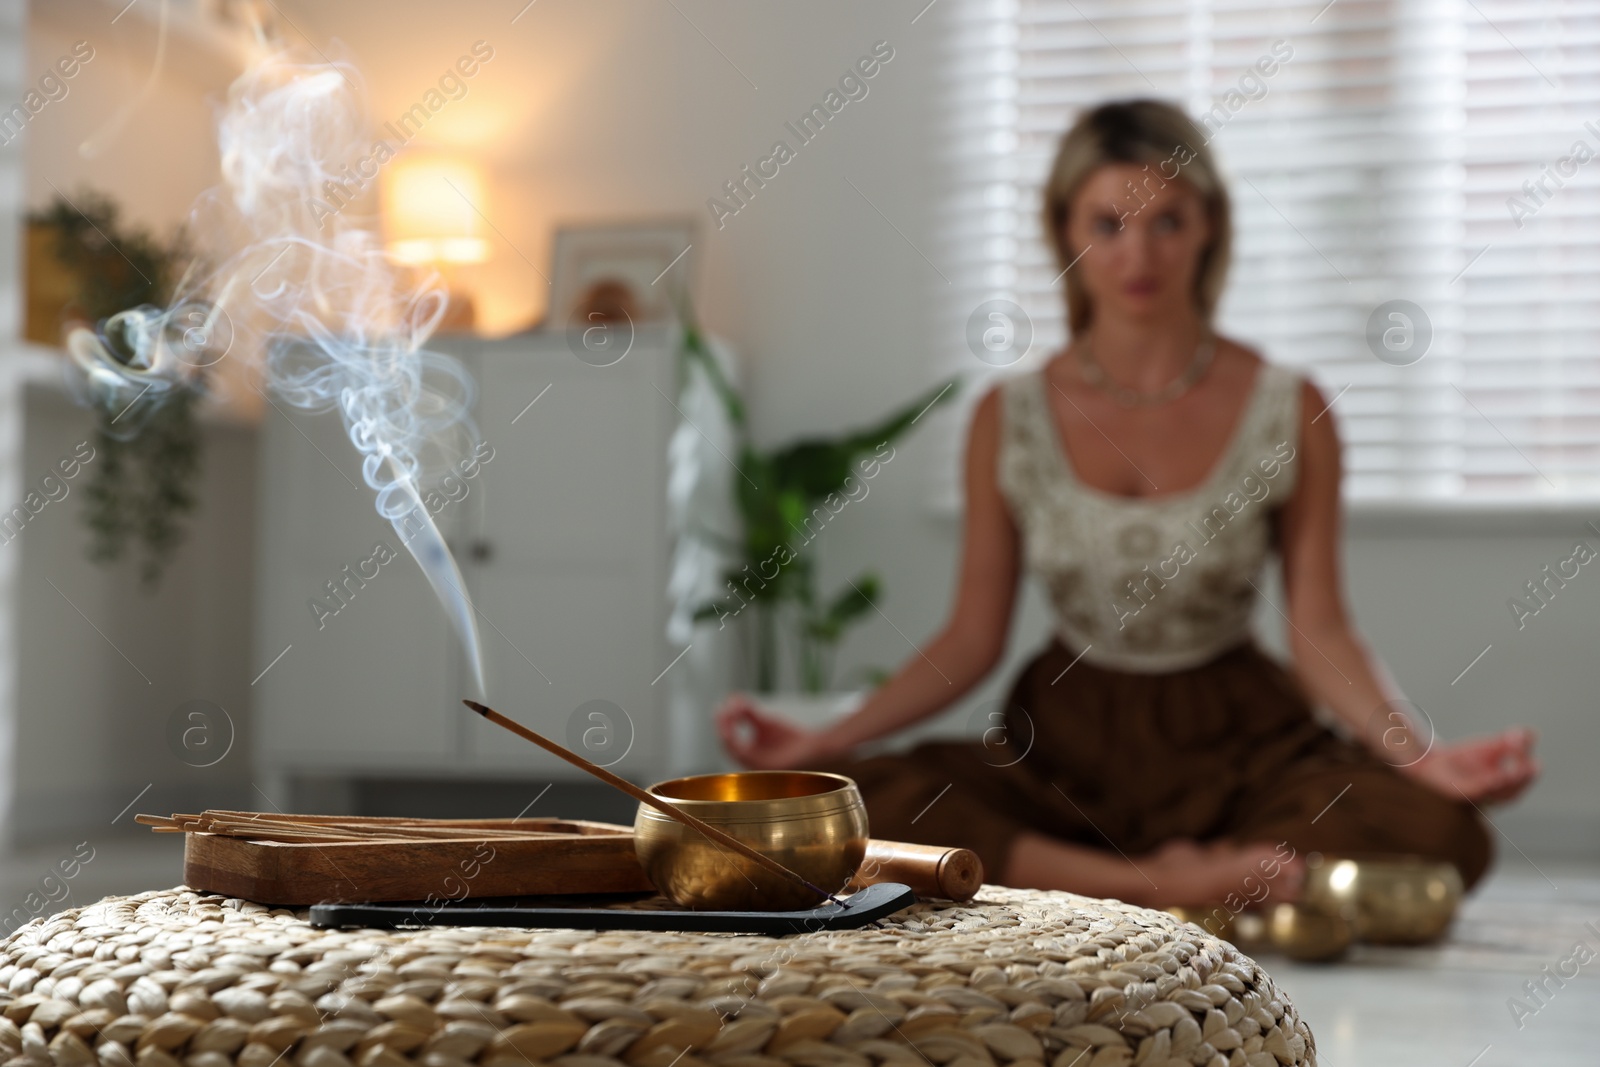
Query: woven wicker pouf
(1019, 977)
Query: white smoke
(310, 299)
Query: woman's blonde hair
(1169, 145)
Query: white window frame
(1467, 98)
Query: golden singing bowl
(1250, 933)
(1390, 899)
(813, 823)
(1305, 932)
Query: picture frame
(635, 270)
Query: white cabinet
(371, 684)
(562, 540)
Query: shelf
(27, 364)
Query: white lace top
(1156, 584)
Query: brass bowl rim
(842, 785)
(844, 797)
(649, 814)
(1403, 861)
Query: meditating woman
(1152, 751)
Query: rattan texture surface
(1022, 977)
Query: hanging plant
(142, 485)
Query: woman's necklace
(1096, 375)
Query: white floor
(1440, 1006)
(132, 861)
(1446, 1005)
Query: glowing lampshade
(430, 211)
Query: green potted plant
(786, 498)
(142, 486)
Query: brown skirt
(1126, 761)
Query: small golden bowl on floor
(813, 823)
(1307, 933)
(1390, 899)
(1250, 933)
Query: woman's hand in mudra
(763, 741)
(1489, 769)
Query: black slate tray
(860, 908)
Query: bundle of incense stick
(263, 826)
(320, 829)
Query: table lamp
(431, 217)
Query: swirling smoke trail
(308, 297)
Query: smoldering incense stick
(644, 797)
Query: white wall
(165, 153)
(141, 132)
(97, 664)
(105, 663)
(606, 108)
(1431, 594)
(13, 47)
(621, 109)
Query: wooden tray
(556, 856)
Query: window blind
(1435, 152)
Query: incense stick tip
(477, 707)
